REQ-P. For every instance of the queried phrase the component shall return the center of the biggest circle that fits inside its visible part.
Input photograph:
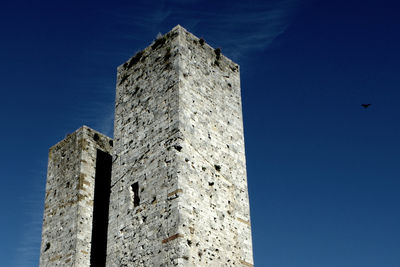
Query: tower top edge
(82, 129)
(174, 33)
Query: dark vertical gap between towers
(101, 203)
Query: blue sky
(323, 172)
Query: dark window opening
(135, 194)
(100, 209)
(47, 247)
(217, 167)
(178, 147)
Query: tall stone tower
(178, 190)
(179, 187)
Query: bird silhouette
(365, 105)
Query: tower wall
(212, 167)
(68, 215)
(146, 134)
(179, 187)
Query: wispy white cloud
(242, 28)
(238, 28)
(97, 111)
(28, 250)
(103, 122)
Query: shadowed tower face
(178, 186)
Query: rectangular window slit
(135, 194)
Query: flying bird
(365, 105)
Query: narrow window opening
(100, 209)
(135, 194)
(217, 167)
(47, 247)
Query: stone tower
(178, 191)
(76, 203)
(179, 188)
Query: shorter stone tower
(76, 214)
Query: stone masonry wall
(145, 134)
(178, 192)
(67, 223)
(179, 187)
(212, 171)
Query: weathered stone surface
(179, 136)
(178, 190)
(67, 223)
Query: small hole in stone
(217, 167)
(111, 142)
(47, 247)
(217, 52)
(178, 147)
(210, 183)
(201, 41)
(96, 137)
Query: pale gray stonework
(68, 211)
(178, 185)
